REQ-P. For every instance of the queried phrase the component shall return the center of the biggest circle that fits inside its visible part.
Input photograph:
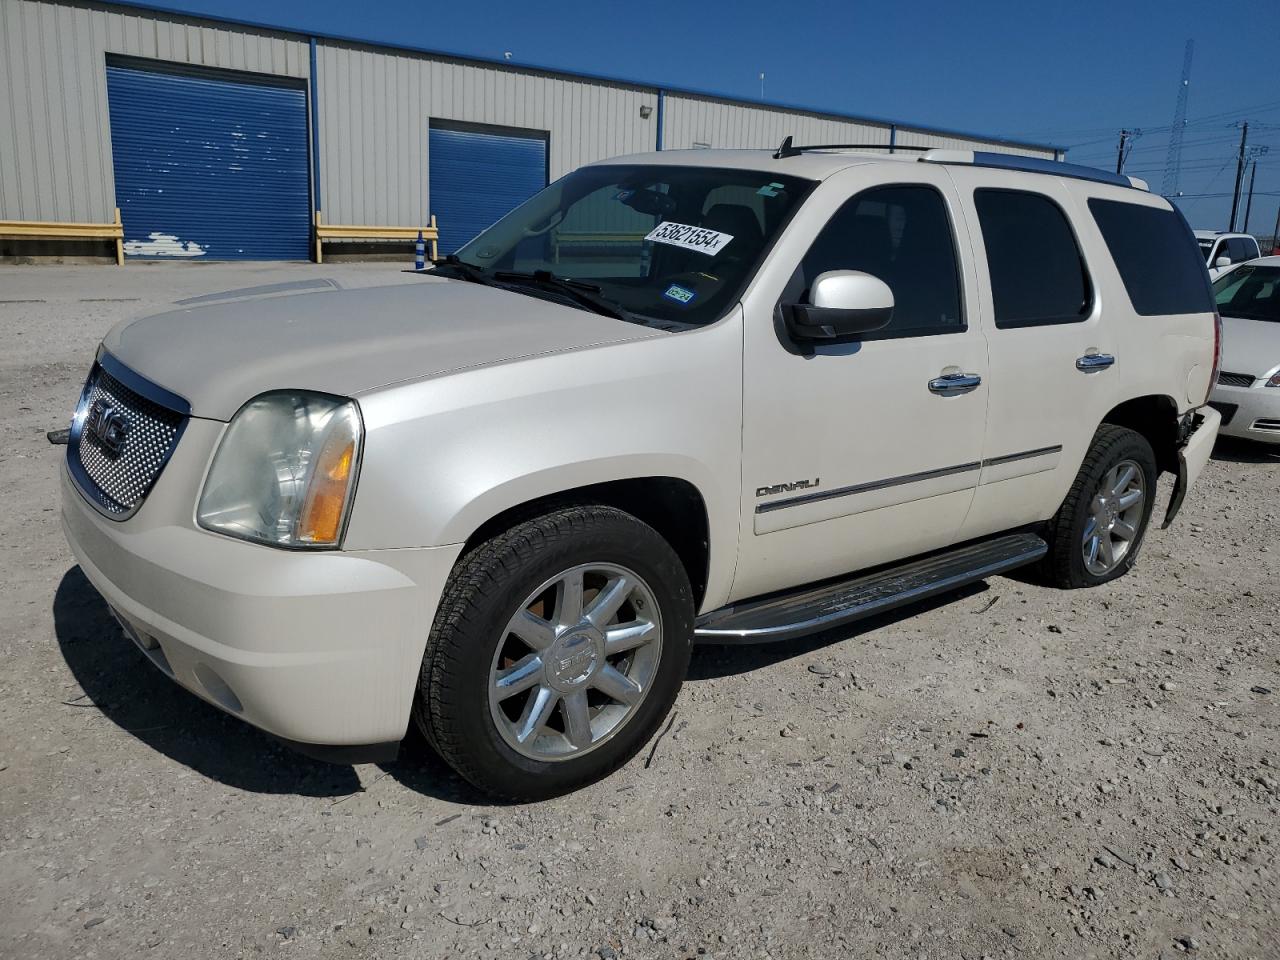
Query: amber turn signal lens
(321, 517)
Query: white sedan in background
(1247, 393)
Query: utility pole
(1235, 196)
(1173, 163)
(1253, 172)
(1124, 138)
(1275, 235)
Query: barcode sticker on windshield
(701, 239)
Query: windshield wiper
(580, 291)
(466, 271)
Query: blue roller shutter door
(477, 177)
(209, 165)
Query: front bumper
(1252, 413)
(319, 648)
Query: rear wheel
(557, 651)
(1097, 532)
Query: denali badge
(108, 425)
(788, 487)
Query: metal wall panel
(923, 138)
(375, 106)
(55, 141)
(210, 164)
(375, 103)
(719, 124)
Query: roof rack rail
(1054, 168)
(787, 149)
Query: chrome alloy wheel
(575, 662)
(1115, 517)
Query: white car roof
(1215, 234)
(815, 165)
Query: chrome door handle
(952, 384)
(1094, 361)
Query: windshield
(1249, 292)
(671, 244)
(1206, 248)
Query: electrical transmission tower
(1173, 164)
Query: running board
(813, 609)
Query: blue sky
(1066, 73)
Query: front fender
(444, 455)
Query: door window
(1242, 249)
(1038, 274)
(901, 234)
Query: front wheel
(557, 651)
(1097, 532)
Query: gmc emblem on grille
(108, 425)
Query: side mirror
(845, 303)
(1222, 262)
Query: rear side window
(1157, 256)
(1037, 273)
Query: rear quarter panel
(1166, 355)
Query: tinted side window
(1037, 273)
(1242, 249)
(902, 235)
(1157, 257)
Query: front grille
(117, 471)
(1266, 424)
(1236, 379)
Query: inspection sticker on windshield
(679, 294)
(701, 239)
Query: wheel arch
(1155, 417)
(673, 506)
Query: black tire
(486, 588)
(1064, 566)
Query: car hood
(1250, 346)
(219, 354)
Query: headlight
(1275, 380)
(285, 471)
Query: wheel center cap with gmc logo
(573, 658)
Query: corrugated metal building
(220, 139)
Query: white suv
(1222, 251)
(731, 396)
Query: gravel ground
(1014, 771)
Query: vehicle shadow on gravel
(711, 661)
(120, 683)
(1245, 451)
(125, 688)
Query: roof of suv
(818, 163)
(814, 165)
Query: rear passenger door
(1052, 358)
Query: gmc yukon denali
(716, 396)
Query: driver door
(860, 453)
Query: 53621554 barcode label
(701, 239)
